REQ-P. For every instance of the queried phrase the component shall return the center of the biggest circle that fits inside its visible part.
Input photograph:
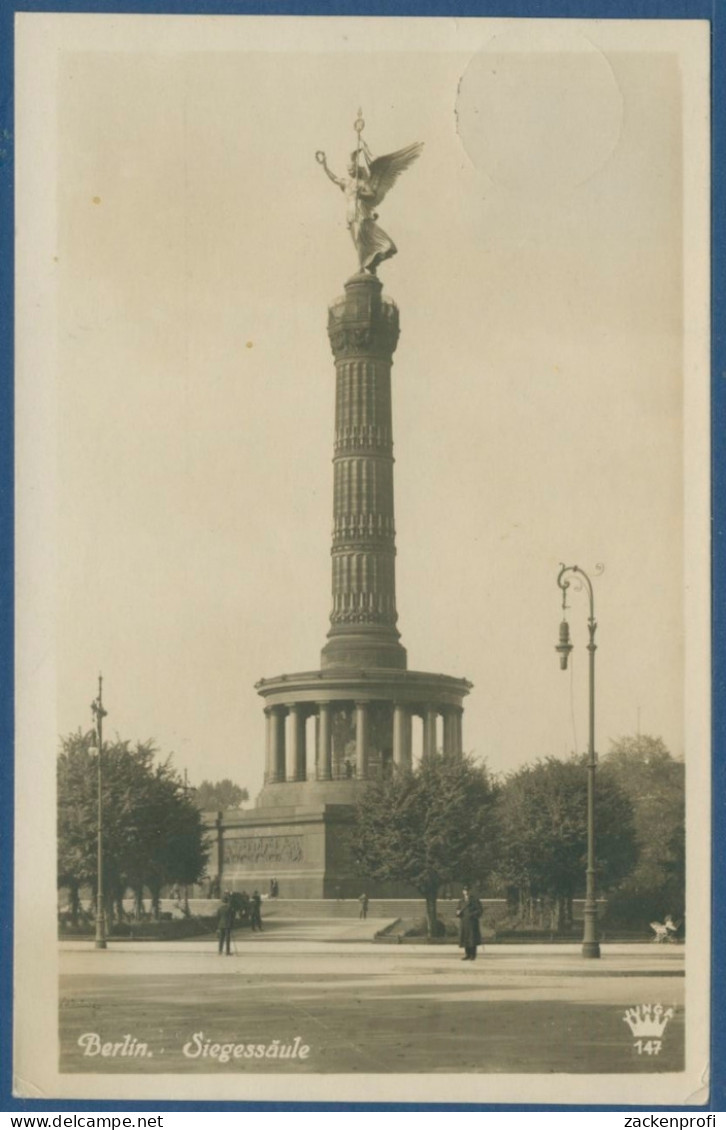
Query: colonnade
(286, 736)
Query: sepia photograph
(362, 555)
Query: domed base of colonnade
(328, 733)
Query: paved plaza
(156, 1007)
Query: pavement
(278, 928)
(360, 1007)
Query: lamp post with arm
(590, 938)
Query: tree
(152, 832)
(543, 818)
(654, 781)
(216, 796)
(428, 827)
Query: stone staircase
(302, 909)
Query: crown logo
(647, 1021)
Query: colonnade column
(324, 766)
(297, 742)
(429, 730)
(452, 729)
(458, 735)
(277, 743)
(268, 744)
(361, 739)
(401, 735)
(448, 731)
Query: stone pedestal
(304, 845)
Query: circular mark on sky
(539, 109)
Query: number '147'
(648, 1047)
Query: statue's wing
(383, 171)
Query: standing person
(469, 912)
(363, 900)
(255, 915)
(225, 921)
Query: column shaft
(297, 743)
(324, 766)
(408, 734)
(277, 753)
(401, 736)
(429, 735)
(269, 745)
(363, 330)
(452, 730)
(361, 739)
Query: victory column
(363, 698)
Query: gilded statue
(369, 179)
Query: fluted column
(458, 736)
(297, 742)
(448, 736)
(277, 737)
(361, 739)
(325, 745)
(401, 736)
(269, 764)
(363, 331)
(452, 729)
(429, 734)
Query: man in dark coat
(225, 922)
(469, 911)
(255, 908)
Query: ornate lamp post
(590, 941)
(99, 714)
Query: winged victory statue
(369, 179)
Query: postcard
(363, 592)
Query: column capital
(362, 323)
(296, 708)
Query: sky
(542, 387)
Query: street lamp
(590, 941)
(186, 885)
(99, 714)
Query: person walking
(469, 911)
(255, 911)
(363, 900)
(225, 922)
